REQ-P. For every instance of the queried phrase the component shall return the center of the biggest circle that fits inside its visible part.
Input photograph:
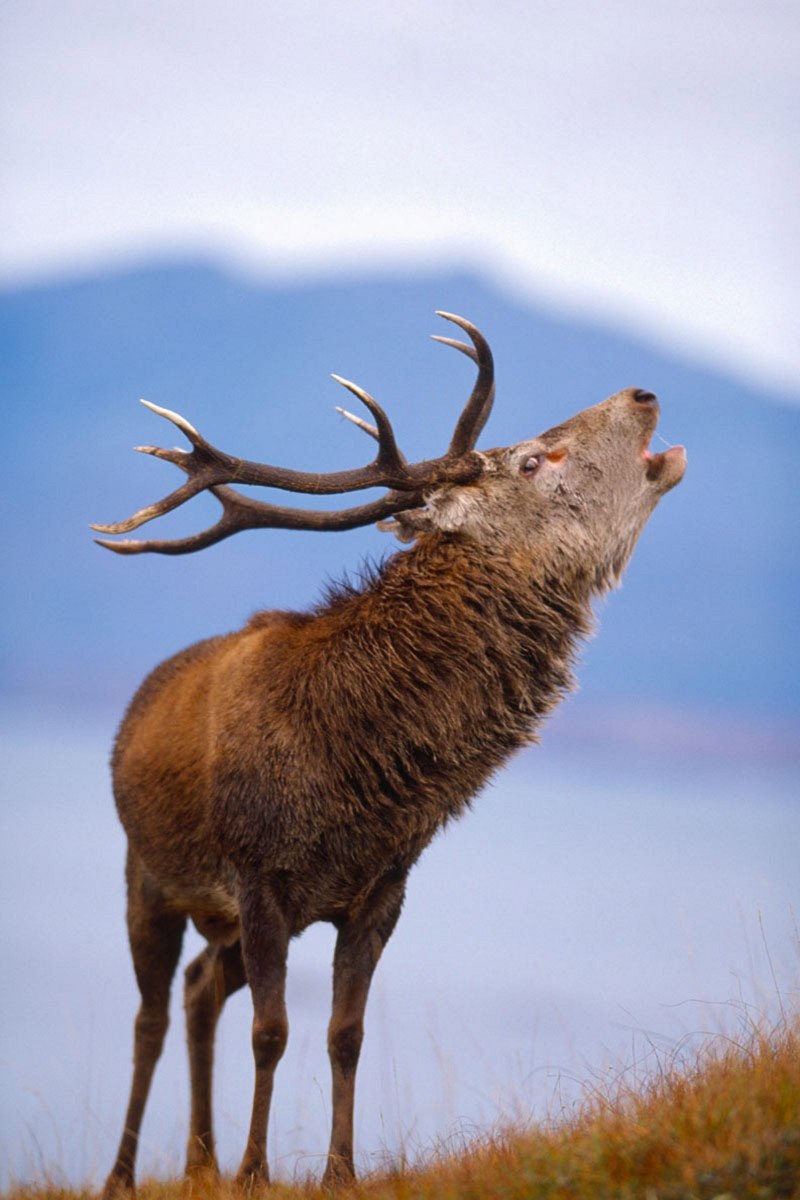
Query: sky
(637, 162)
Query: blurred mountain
(706, 621)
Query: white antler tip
(462, 322)
(362, 424)
(363, 396)
(174, 417)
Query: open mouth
(665, 467)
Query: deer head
(576, 497)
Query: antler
(211, 469)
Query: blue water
(592, 908)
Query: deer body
(384, 713)
(294, 771)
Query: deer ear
(447, 511)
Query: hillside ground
(720, 1123)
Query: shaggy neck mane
(440, 666)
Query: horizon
(133, 263)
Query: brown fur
(293, 772)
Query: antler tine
(359, 421)
(185, 427)
(388, 453)
(383, 436)
(477, 409)
(151, 511)
(484, 362)
(241, 512)
(204, 464)
(462, 346)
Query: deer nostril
(643, 397)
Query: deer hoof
(119, 1186)
(339, 1174)
(253, 1177)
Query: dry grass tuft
(725, 1124)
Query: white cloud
(637, 160)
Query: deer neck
(461, 652)
(402, 698)
(518, 619)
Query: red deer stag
(294, 771)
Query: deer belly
(214, 911)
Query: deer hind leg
(265, 943)
(213, 976)
(359, 945)
(156, 937)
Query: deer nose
(643, 397)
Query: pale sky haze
(636, 161)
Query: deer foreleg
(210, 979)
(359, 945)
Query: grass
(719, 1124)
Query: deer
(292, 772)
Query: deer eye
(532, 464)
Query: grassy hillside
(725, 1123)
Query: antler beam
(210, 469)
